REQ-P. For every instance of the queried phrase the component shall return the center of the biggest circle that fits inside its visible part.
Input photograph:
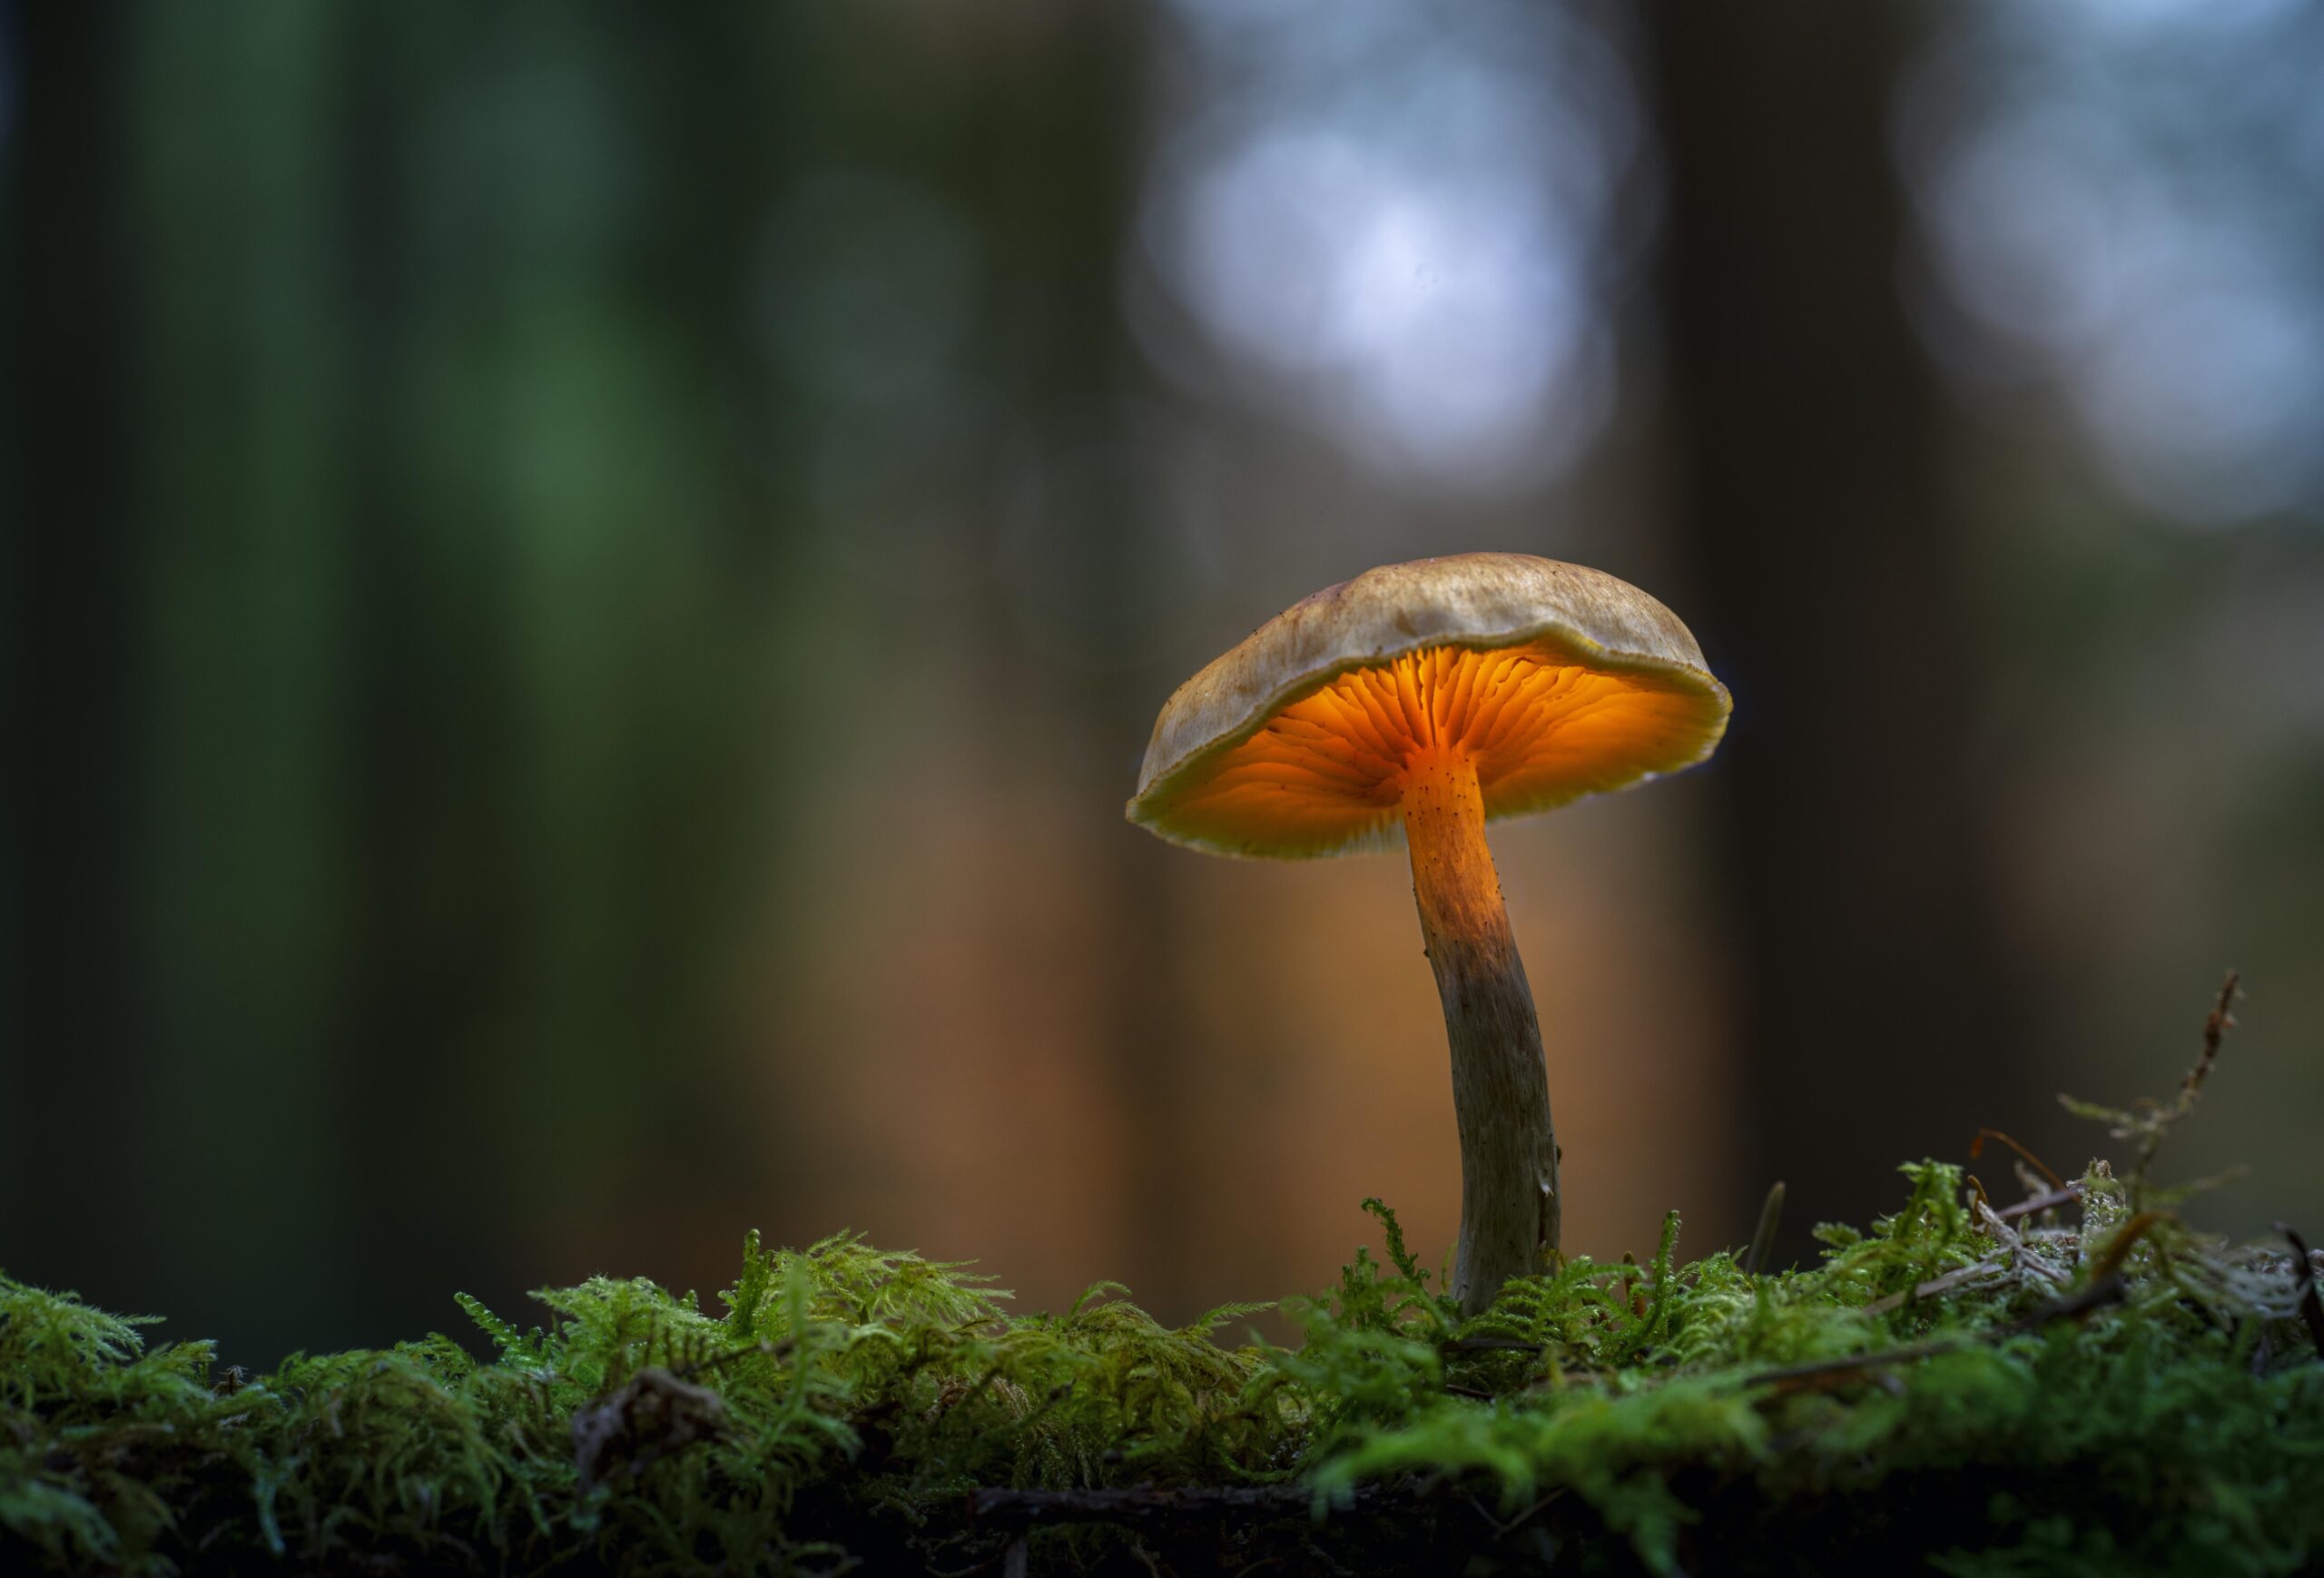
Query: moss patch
(2085, 1386)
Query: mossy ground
(1962, 1387)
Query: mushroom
(1432, 696)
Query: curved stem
(1510, 1204)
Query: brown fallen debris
(1977, 1148)
(2119, 1247)
(628, 1429)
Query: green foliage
(2090, 1388)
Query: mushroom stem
(1510, 1205)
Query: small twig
(1486, 1344)
(2118, 1247)
(2221, 1020)
(1999, 1231)
(2311, 1308)
(2024, 1257)
(1451, 1390)
(2110, 1290)
(1818, 1367)
(2043, 1202)
(761, 1349)
(1934, 1286)
(2216, 1024)
(1977, 1147)
(2092, 1296)
(1763, 1237)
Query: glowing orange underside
(1330, 768)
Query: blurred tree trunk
(1810, 495)
(69, 568)
(1069, 108)
(558, 624)
(423, 846)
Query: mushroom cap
(1556, 680)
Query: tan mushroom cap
(1555, 680)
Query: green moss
(2093, 1388)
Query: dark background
(583, 586)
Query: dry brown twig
(1936, 1285)
(2076, 1306)
(1977, 1148)
(1492, 1345)
(2149, 1122)
(2216, 1024)
(2025, 1257)
(2048, 1200)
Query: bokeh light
(2124, 200)
(1403, 236)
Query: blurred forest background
(583, 588)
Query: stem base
(1510, 1209)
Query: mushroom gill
(1538, 727)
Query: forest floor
(2069, 1381)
